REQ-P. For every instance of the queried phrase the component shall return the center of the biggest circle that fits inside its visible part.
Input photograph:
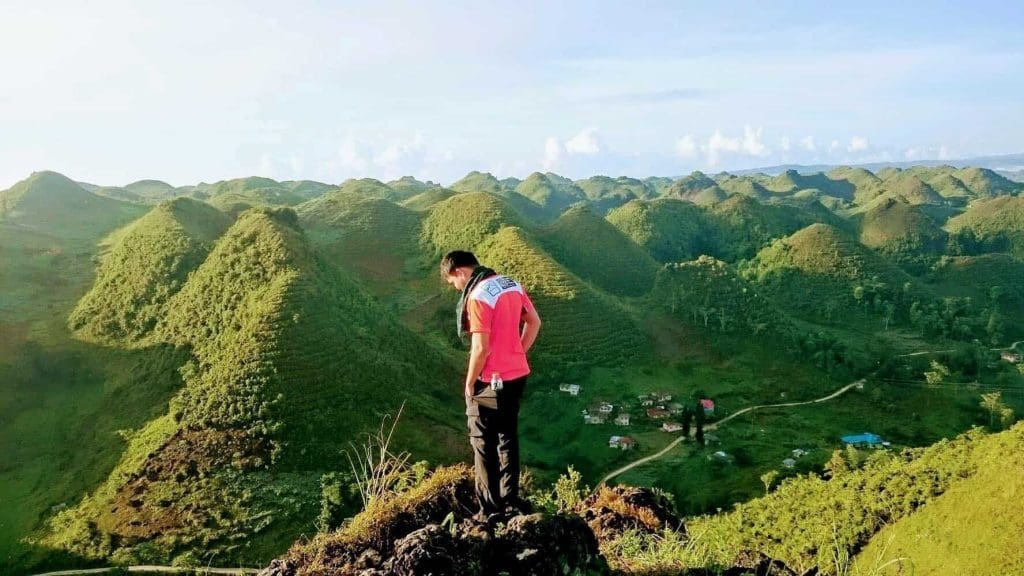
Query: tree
(937, 375)
(993, 403)
(767, 478)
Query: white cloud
(835, 145)
(858, 144)
(944, 153)
(686, 147)
(750, 144)
(784, 143)
(394, 157)
(583, 143)
(807, 143)
(552, 153)
(349, 158)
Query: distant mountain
(52, 203)
(1005, 162)
(996, 224)
(671, 230)
(481, 182)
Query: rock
(431, 551)
(278, 568)
(612, 510)
(538, 544)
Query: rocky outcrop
(613, 510)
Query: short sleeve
(527, 303)
(480, 316)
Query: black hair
(458, 259)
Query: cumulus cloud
(686, 147)
(834, 146)
(784, 143)
(807, 143)
(583, 143)
(552, 153)
(749, 144)
(858, 144)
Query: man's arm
(531, 326)
(479, 349)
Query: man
(491, 309)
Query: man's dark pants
(493, 419)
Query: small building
(662, 397)
(657, 413)
(605, 408)
(708, 405)
(572, 389)
(799, 453)
(789, 463)
(621, 442)
(675, 408)
(721, 456)
(622, 419)
(647, 402)
(1011, 356)
(593, 419)
(671, 426)
(865, 439)
(712, 439)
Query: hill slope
(148, 264)
(52, 203)
(284, 348)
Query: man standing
(492, 308)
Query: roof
(707, 403)
(865, 438)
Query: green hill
(237, 195)
(697, 188)
(407, 186)
(743, 186)
(152, 190)
(307, 189)
(973, 527)
(425, 200)
(671, 230)
(744, 225)
(545, 192)
(370, 236)
(995, 224)
(866, 186)
(464, 221)
(480, 182)
(284, 347)
(582, 327)
(51, 203)
(606, 193)
(983, 182)
(823, 265)
(658, 185)
(901, 230)
(122, 194)
(145, 267)
(598, 252)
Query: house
(721, 456)
(662, 397)
(572, 389)
(789, 463)
(621, 442)
(1011, 357)
(605, 408)
(675, 408)
(593, 419)
(799, 453)
(708, 405)
(657, 413)
(622, 419)
(865, 439)
(647, 402)
(671, 426)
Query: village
(660, 411)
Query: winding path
(715, 425)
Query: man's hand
(531, 326)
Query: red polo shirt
(496, 307)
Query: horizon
(116, 93)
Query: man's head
(457, 268)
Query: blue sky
(185, 91)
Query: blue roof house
(866, 438)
